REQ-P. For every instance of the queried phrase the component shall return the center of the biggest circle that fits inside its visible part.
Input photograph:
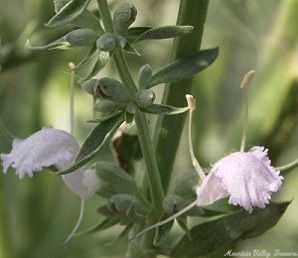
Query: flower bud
(111, 89)
(145, 74)
(89, 86)
(120, 203)
(81, 37)
(145, 98)
(107, 42)
(173, 203)
(124, 16)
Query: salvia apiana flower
(52, 147)
(247, 178)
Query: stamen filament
(192, 106)
(244, 84)
(77, 223)
(174, 216)
(71, 97)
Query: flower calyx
(124, 16)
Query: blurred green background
(37, 214)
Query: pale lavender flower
(247, 178)
(51, 147)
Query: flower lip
(246, 177)
(44, 148)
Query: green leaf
(88, 20)
(209, 236)
(68, 13)
(163, 109)
(184, 67)
(60, 43)
(94, 142)
(165, 32)
(92, 64)
(105, 224)
(135, 32)
(115, 180)
(123, 233)
(162, 232)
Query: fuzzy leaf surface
(68, 13)
(184, 67)
(165, 32)
(94, 142)
(209, 236)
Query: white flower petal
(247, 177)
(44, 148)
(83, 182)
(210, 190)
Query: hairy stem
(147, 147)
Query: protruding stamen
(244, 85)
(174, 216)
(77, 223)
(72, 68)
(192, 106)
(247, 79)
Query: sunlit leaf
(209, 236)
(68, 13)
(184, 67)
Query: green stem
(156, 190)
(191, 12)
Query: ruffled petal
(83, 182)
(248, 178)
(44, 148)
(210, 190)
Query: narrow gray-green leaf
(165, 32)
(98, 136)
(88, 20)
(60, 43)
(135, 32)
(209, 236)
(184, 67)
(68, 13)
(105, 224)
(115, 179)
(163, 109)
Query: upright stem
(156, 190)
(191, 12)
